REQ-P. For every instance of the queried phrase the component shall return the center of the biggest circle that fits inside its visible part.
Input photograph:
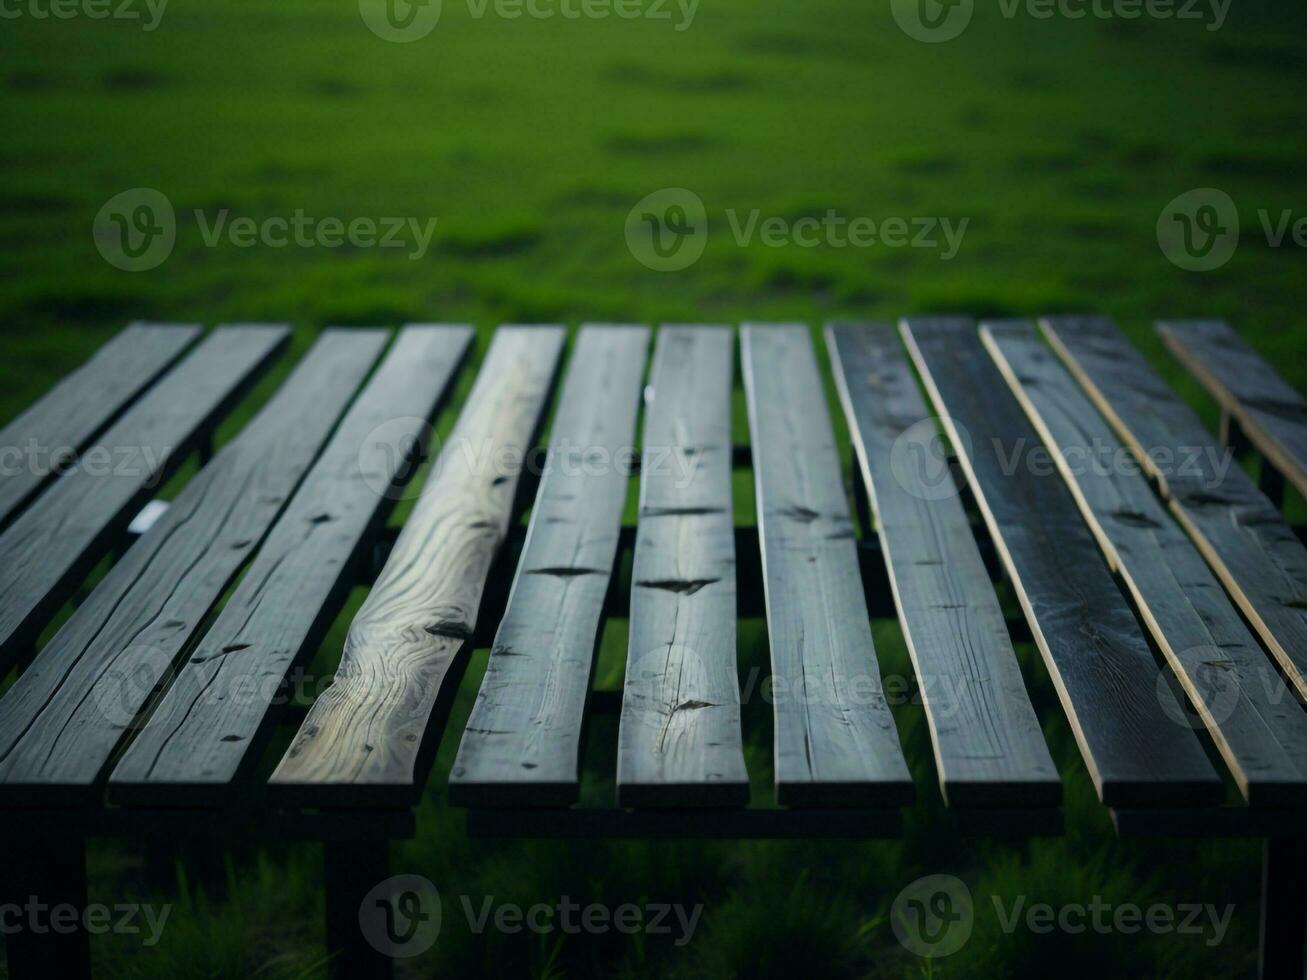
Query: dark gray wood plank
(211, 724)
(679, 740)
(51, 546)
(1239, 531)
(522, 743)
(835, 740)
(1093, 647)
(989, 750)
(46, 438)
(1270, 411)
(1253, 718)
(368, 738)
(62, 720)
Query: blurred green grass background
(1060, 141)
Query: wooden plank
(1254, 719)
(989, 750)
(1241, 533)
(751, 823)
(212, 723)
(522, 743)
(679, 741)
(62, 720)
(51, 546)
(1093, 647)
(369, 737)
(45, 439)
(1271, 413)
(835, 740)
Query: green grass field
(1059, 141)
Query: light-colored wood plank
(679, 741)
(835, 740)
(1253, 718)
(1270, 411)
(1240, 532)
(1093, 647)
(210, 726)
(368, 739)
(522, 743)
(46, 438)
(52, 544)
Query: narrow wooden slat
(1269, 410)
(46, 438)
(522, 743)
(1240, 532)
(679, 740)
(368, 738)
(1254, 719)
(989, 750)
(68, 711)
(835, 740)
(1095, 651)
(51, 546)
(209, 727)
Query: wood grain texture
(64, 717)
(1093, 647)
(1253, 718)
(64, 421)
(1240, 532)
(521, 746)
(51, 546)
(369, 737)
(211, 724)
(835, 740)
(989, 750)
(1270, 411)
(679, 740)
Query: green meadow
(1058, 142)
